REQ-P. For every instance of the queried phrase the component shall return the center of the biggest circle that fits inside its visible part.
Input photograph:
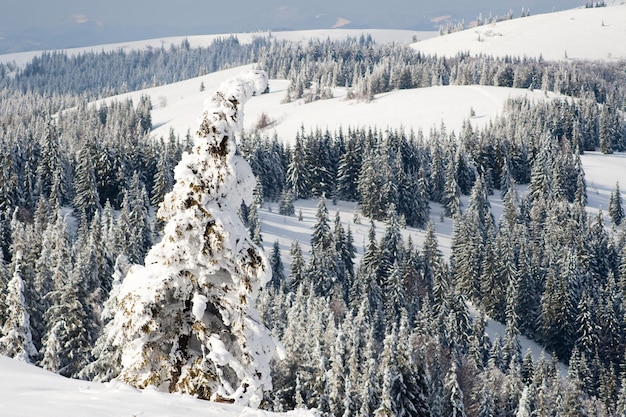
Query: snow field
(593, 34)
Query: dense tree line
(379, 168)
(76, 192)
(97, 73)
(392, 334)
(367, 68)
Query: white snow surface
(29, 391)
(593, 34)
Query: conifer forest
(397, 331)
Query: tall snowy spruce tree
(186, 320)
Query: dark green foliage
(86, 197)
(278, 270)
(616, 208)
(286, 207)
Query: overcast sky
(62, 23)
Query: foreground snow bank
(26, 390)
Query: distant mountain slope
(32, 24)
(379, 35)
(594, 34)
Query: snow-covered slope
(27, 391)
(175, 107)
(596, 34)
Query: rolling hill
(592, 34)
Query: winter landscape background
(32, 25)
(426, 183)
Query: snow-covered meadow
(595, 34)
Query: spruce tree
(348, 170)
(297, 272)
(323, 264)
(163, 177)
(186, 321)
(606, 130)
(524, 409)
(298, 177)
(134, 228)
(286, 207)
(254, 225)
(71, 329)
(86, 197)
(370, 187)
(454, 394)
(8, 182)
(70, 322)
(437, 178)
(107, 358)
(337, 375)
(16, 340)
(451, 199)
(616, 209)
(278, 270)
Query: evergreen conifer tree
(454, 393)
(278, 270)
(348, 170)
(186, 321)
(86, 197)
(297, 271)
(16, 340)
(286, 207)
(437, 178)
(163, 177)
(451, 199)
(134, 229)
(323, 264)
(616, 209)
(254, 225)
(524, 408)
(72, 329)
(298, 177)
(107, 362)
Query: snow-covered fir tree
(616, 208)
(278, 270)
(186, 320)
(17, 339)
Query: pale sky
(84, 21)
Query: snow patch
(198, 305)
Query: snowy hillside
(595, 34)
(175, 107)
(27, 391)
